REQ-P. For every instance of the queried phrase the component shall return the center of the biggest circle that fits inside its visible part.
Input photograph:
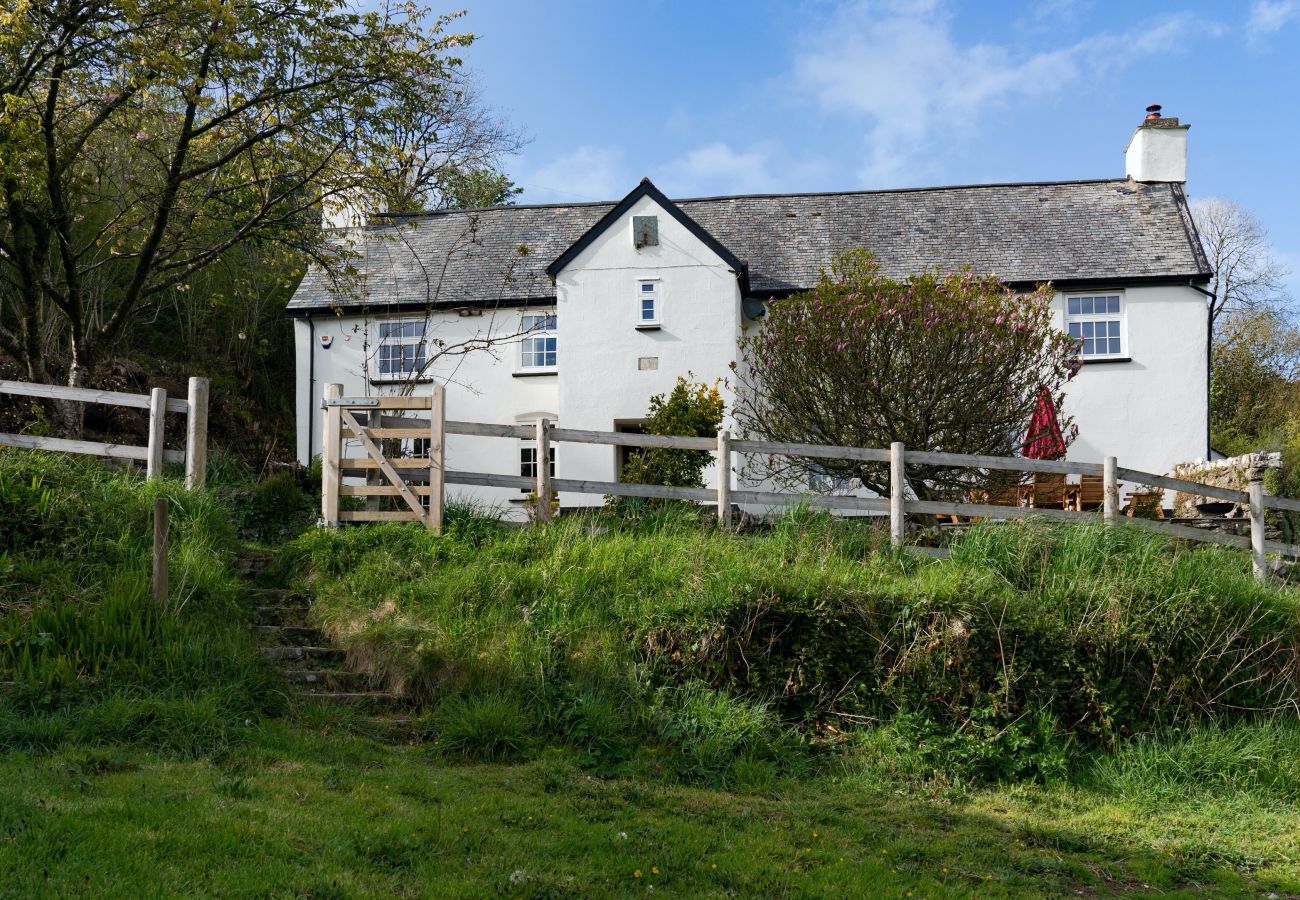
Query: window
(538, 349)
(823, 482)
(401, 348)
(1097, 322)
(528, 459)
(647, 311)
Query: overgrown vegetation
(1033, 646)
(86, 654)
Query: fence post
(329, 494)
(157, 424)
(897, 482)
(196, 435)
(437, 455)
(542, 464)
(1255, 491)
(724, 479)
(160, 550)
(1110, 479)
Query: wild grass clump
(86, 654)
(1032, 647)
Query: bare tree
(1247, 278)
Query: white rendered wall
(601, 383)
(1152, 412)
(481, 387)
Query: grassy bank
(735, 658)
(86, 655)
(613, 705)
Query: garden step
(303, 654)
(327, 679)
(297, 635)
(280, 615)
(371, 699)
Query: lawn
(300, 813)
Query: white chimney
(348, 208)
(1158, 149)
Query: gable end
(647, 189)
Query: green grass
(298, 814)
(800, 712)
(86, 654)
(1033, 646)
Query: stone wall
(1232, 472)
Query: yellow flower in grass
(654, 870)
(636, 873)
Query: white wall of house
(604, 374)
(1150, 412)
(481, 387)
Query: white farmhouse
(580, 312)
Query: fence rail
(194, 408)
(420, 480)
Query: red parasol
(1044, 439)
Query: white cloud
(900, 67)
(584, 173)
(717, 169)
(1268, 16)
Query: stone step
(303, 654)
(280, 615)
(328, 680)
(369, 699)
(294, 635)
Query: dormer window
(648, 304)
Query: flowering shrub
(950, 363)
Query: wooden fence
(194, 407)
(425, 501)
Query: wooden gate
(416, 479)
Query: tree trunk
(70, 415)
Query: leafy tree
(692, 409)
(142, 141)
(949, 363)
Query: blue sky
(713, 97)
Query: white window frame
(656, 295)
(1088, 321)
(527, 360)
(418, 340)
(529, 445)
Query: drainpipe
(1209, 358)
(311, 384)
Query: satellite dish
(753, 308)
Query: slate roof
(1110, 231)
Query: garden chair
(1048, 491)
